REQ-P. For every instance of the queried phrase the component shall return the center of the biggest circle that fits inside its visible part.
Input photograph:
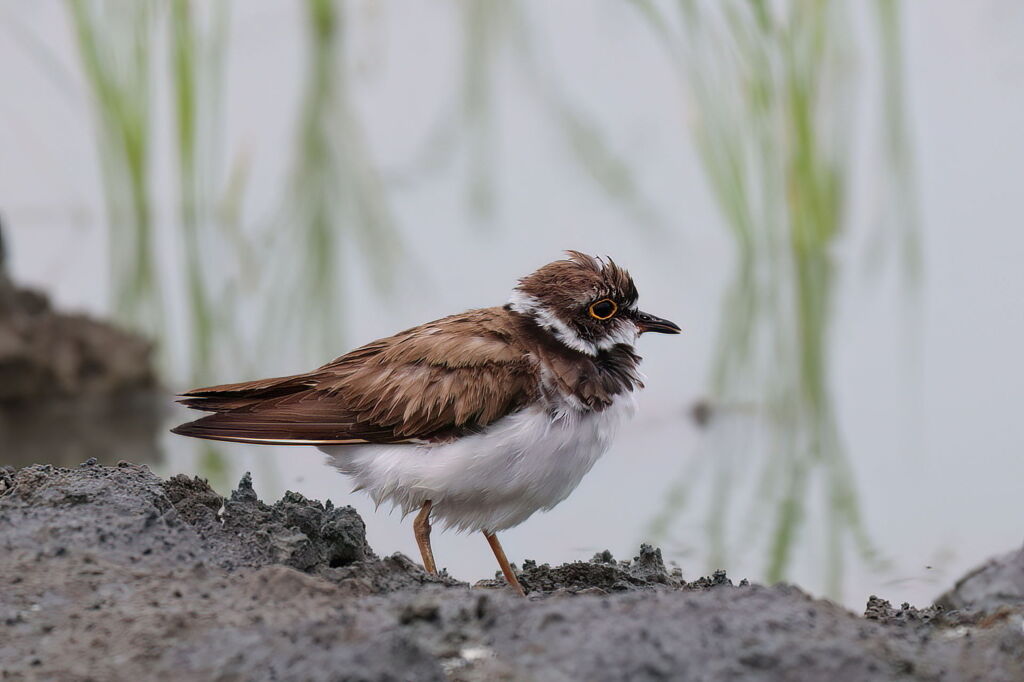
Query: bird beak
(649, 323)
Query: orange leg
(421, 527)
(506, 568)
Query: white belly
(492, 480)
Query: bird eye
(603, 309)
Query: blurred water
(925, 389)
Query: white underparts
(496, 479)
(620, 330)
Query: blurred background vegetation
(334, 197)
(244, 254)
(774, 147)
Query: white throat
(621, 331)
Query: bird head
(587, 303)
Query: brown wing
(433, 382)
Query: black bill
(649, 323)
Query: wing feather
(432, 382)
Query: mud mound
(47, 355)
(998, 582)
(110, 573)
(96, 381)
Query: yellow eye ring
(604, 309)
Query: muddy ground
(109, 573)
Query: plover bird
(476, 420)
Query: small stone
(245, 491)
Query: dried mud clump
(882, 611)
(296, 532)
(604, 575)
(307, 535)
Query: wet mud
(110, 573)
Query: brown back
(431, 383)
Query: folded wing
(428, 384)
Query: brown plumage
(431, 383)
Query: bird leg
(506, 568)
(421, 527)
